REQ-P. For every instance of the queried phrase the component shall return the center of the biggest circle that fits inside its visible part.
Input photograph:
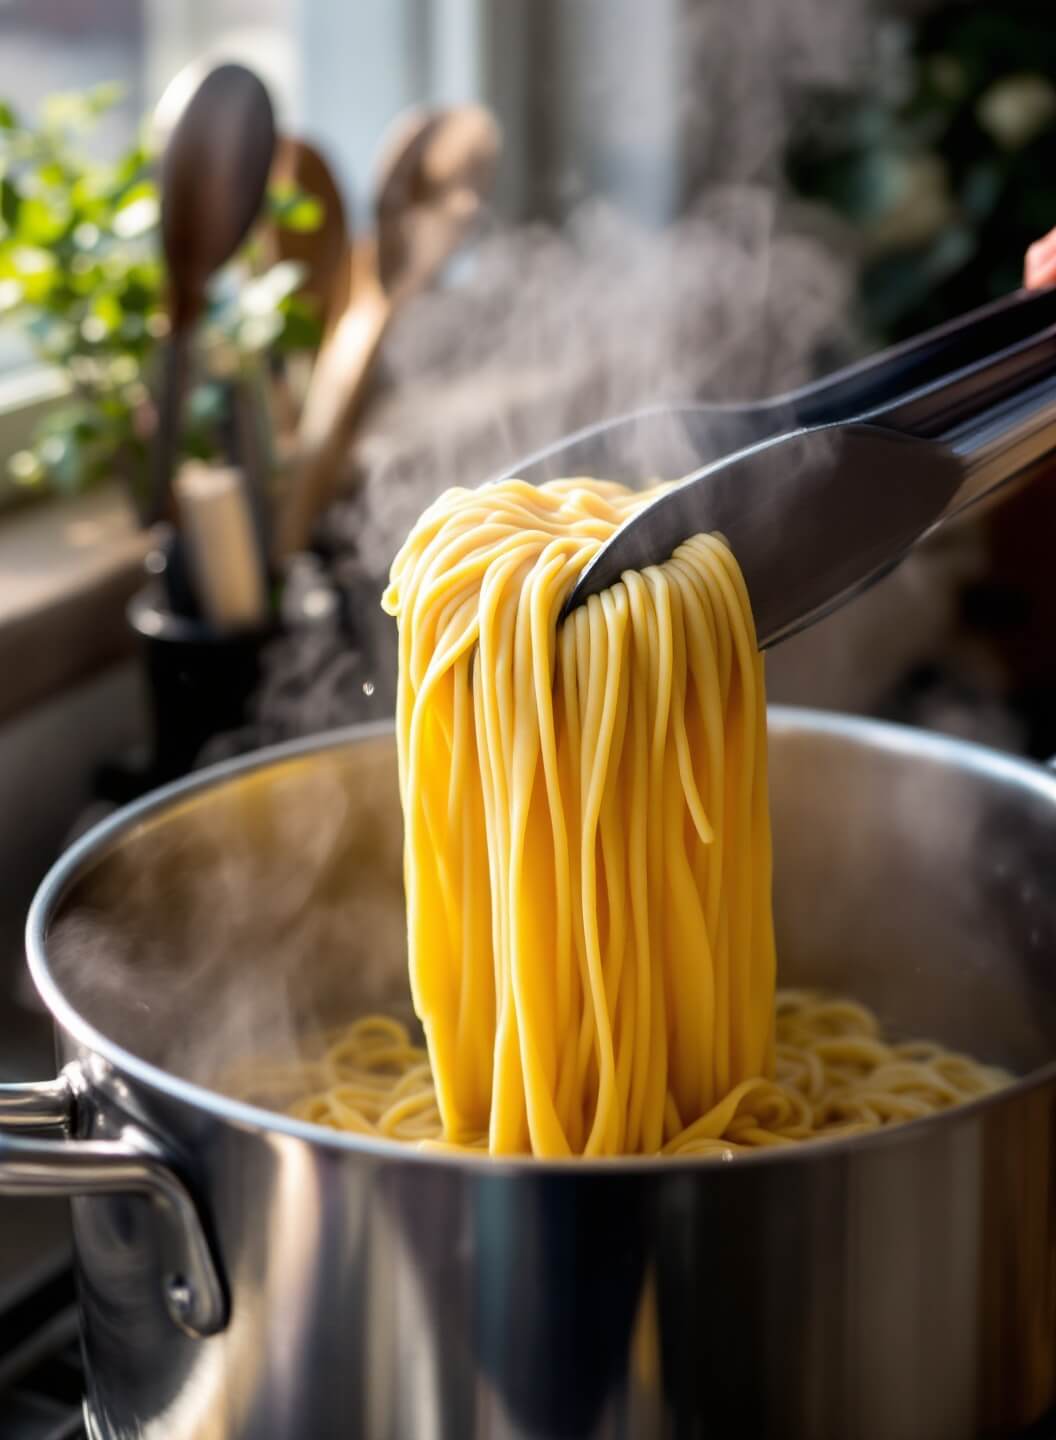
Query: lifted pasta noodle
(588, 865)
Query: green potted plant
(81, 275)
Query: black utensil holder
(201, 680)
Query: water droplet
(318, 603)
(368, 687)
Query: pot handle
(135, 1164)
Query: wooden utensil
(221, 545)
(213, 178)
(325, 251)
(436, 169)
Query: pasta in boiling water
(588, 866)
(835, 1074)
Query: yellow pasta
(588, 867)
(826, 1084)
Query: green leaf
(88, 196)
(8, 120)
(52, 174)
(81, 271)
(301, 326)
(140, 288)
(107, 310)
(84, 276)
(41, 223)
(132, 168)
(10, 201)
(302, 215)
(34, 268)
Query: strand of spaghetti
(588, 865)
(381, 1069)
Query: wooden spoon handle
(174, 362)
(331, 406)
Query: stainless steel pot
(286, 1283)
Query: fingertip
(1039, 266)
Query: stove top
(41, 1375)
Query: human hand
(1039, 268)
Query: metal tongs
(822, 491)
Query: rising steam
(233, 938)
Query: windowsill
(67, 571)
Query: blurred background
(692, 201)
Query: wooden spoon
(324, 252)
(436, 169)
(213, 178)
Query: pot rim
(48, 900)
